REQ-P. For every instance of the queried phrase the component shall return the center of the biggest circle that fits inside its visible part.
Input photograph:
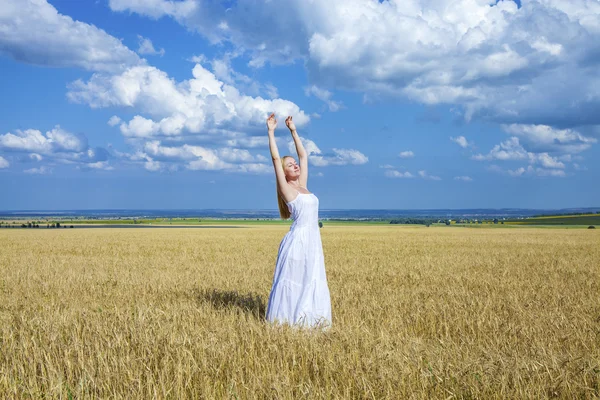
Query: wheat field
(418, 313)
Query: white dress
(300, 295)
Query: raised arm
(302, 156)
(284, 188)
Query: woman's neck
(295, 184)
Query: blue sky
(401, 104)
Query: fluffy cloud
(530, 171)
(461, 141)
(539, 138)
(336, 157)
(531, 65)
(223, 71)
(545, 160)
(4, 163)
(114, 120)
(43, 170)
(325, 96)
(543, 138)
(406, 154)
(510, 149)
(549, 148)
(146, 47)
(33, 31)
(54, 141)
(392, 173)
(104, 165)
(425, 175)
(249, 142)
(463, 178)
(155, 8)
(156, 156)
(55, 145)
(199, 105)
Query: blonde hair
(284, 211)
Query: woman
(300, 295)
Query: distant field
(590, 219)
(418, 313)
(180, 221)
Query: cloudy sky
(401, 103)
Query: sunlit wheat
(417, 313)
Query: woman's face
(291, 168)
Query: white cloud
(249, 142)
(4, 163)
(463, 178)
(40, 171)
(271, 91)
(461, 141)
(202, 104)
(547, 172)
(62, 140)
(114, 120)
(337, 157)
(391, 173)
(531, 64)
(198, 59)
(425, 175)
(34, 32)
(530, 171)
(406, 154)
(147, 48)
(349, 156)
(223, 71)
(56, 145)
(100, 165)
(152, 165)
(547, 139)
(517, 172)
(156, 156)
(546, 160)
(324, 96)
(543, 45)
(510, 149)
(54, 141)
(155, 8)
(28, 140)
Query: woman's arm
(302, 156)
(282, 185)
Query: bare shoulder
(288, 192)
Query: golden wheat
(417, 313)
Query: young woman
(300, 295)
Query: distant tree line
(574, 213)
(429, 221)
(32, 224)
(412, 221)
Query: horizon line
(275, 210)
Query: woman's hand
(271, 123)
(290, 124)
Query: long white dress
(300, 295)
